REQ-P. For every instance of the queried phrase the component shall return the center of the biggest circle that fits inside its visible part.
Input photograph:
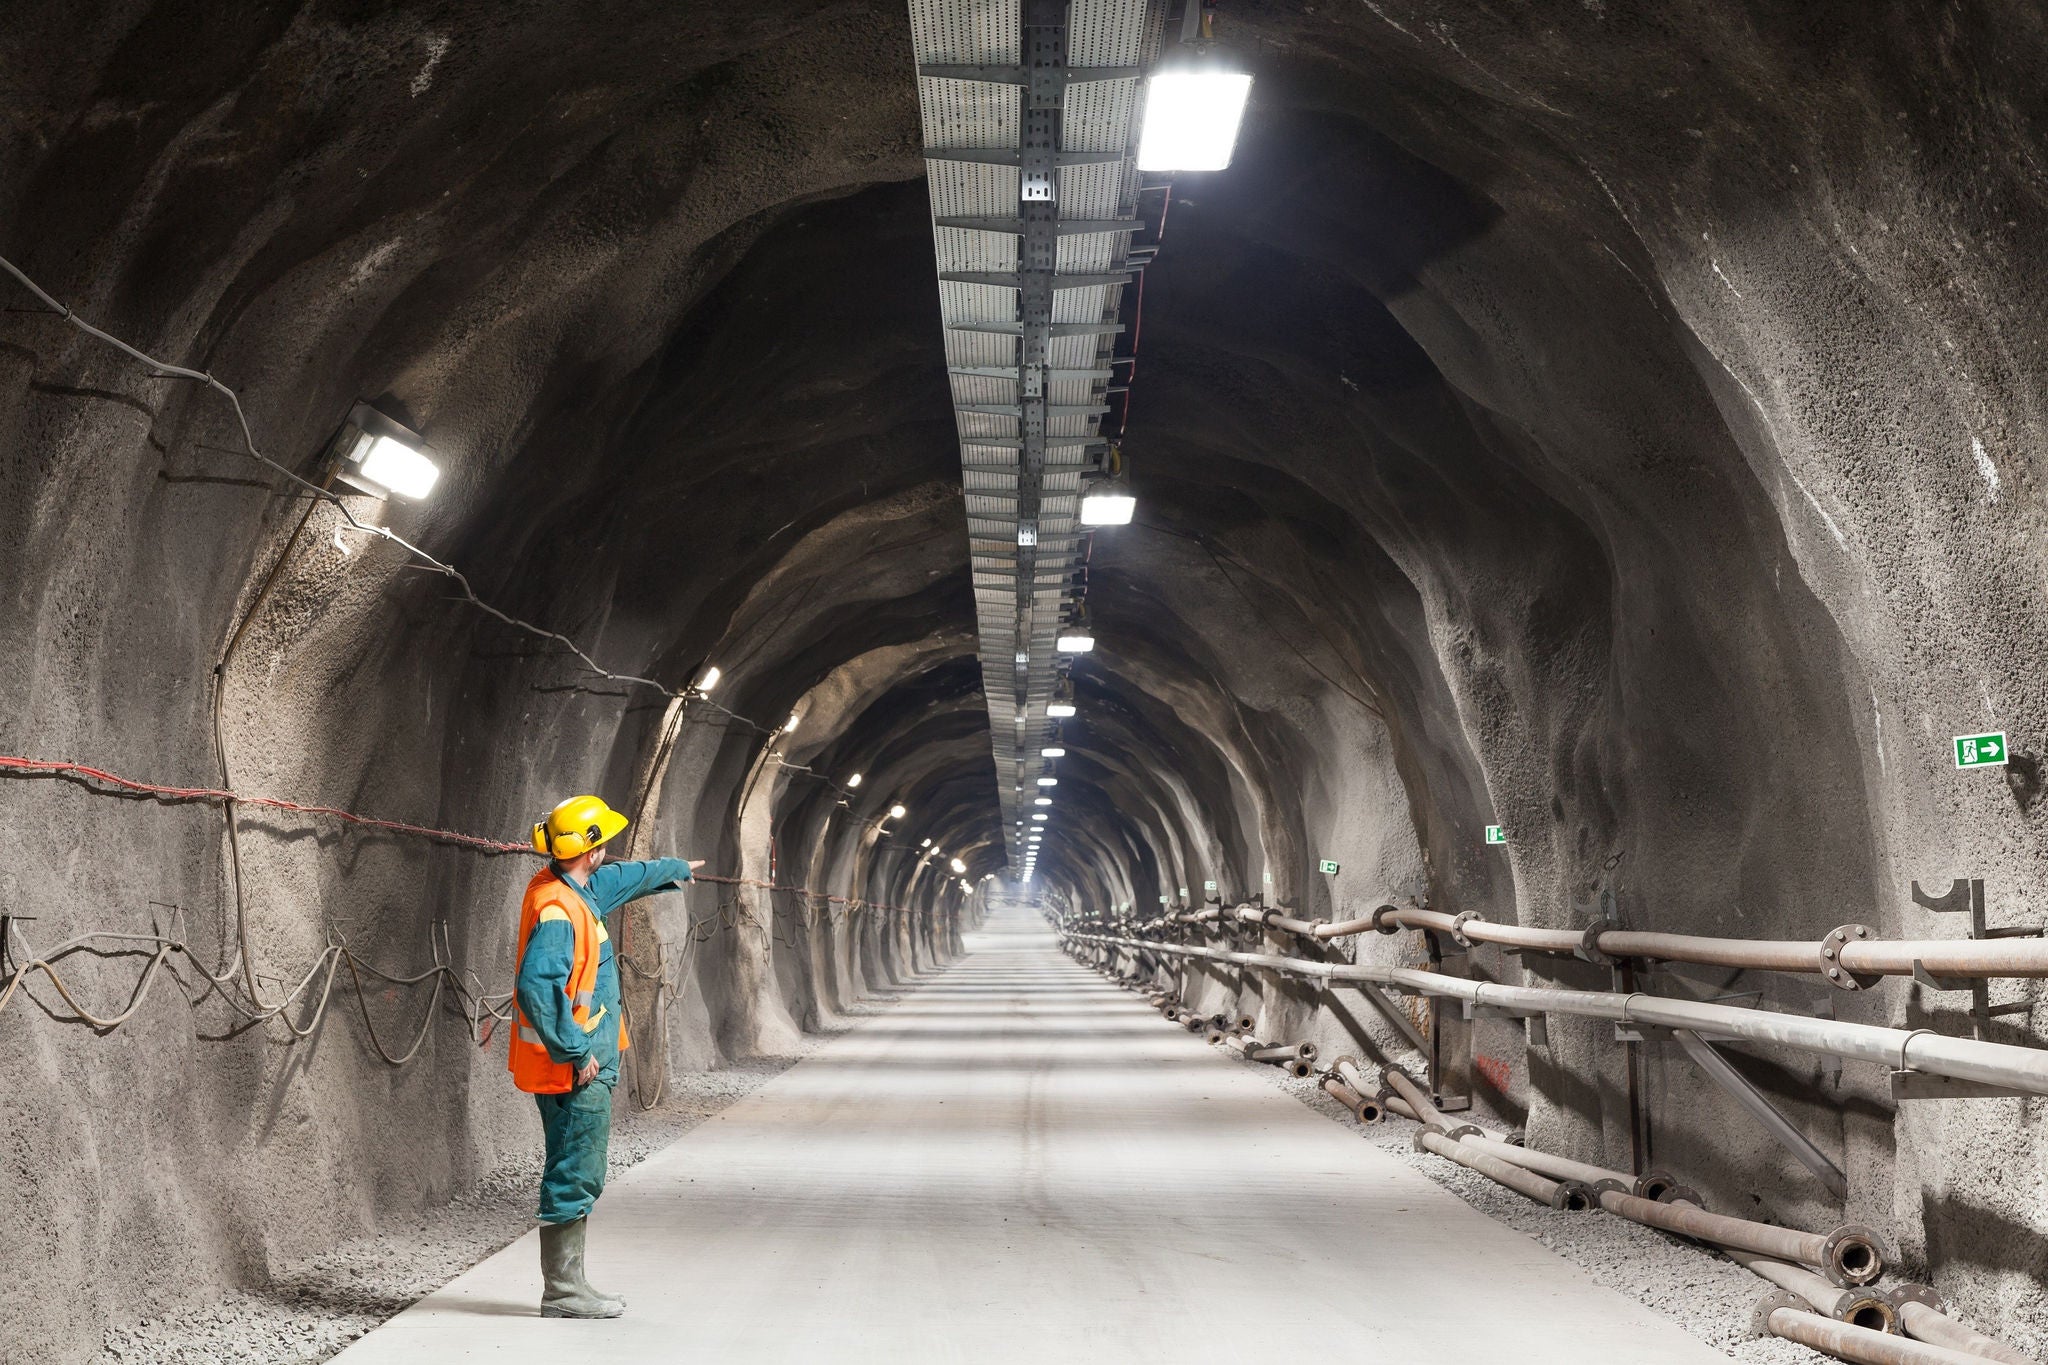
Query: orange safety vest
(550, 897)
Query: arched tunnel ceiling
(684, 376)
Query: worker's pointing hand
(695, 863)
(587, 1073)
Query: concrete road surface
(1021, 1163)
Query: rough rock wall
(1676, 367)
(562, 250)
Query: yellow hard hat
(576, 826)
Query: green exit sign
(1980, 751)
(1326, 866)
(1496, 834)
(1208, 886)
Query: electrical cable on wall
(478, 1004)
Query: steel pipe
(2000, 1064)
(1363, 1108)
(1851, 1255)
(1565, 1194)
(1285, 1052)
(1343, 928)
(1861, 1306)
(1924, 1315)
(1543, 1163)
(1419, 1105)
(2023, 958)
(1273, 919)
(1780, 1315)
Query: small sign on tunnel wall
(1981, 751)
(1496, 834)
(1327, 867)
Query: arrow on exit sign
(1980, 751)
(1496, 834)
(1326, 866)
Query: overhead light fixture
(853, 781)
(1192, 115)
(926, 844)
(1027, 533)
(1039, 816)
(789, 727)
(709, 680)
(1108, 504)
(1062, 704)
(957, 865)
(1048, 781)
(1075, 644)
(1054, 752)
(381, 457)
(1041, 800)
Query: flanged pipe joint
(1854, 1255)
(1297, 1059)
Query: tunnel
(1358, 676)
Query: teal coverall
(577, 1125)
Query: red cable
(216, 794)
(18, 763)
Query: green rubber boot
(565, 1293)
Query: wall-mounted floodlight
(1054, 752)
(709, 680)
(789, 726)
(1048, 781)
(1191, 118)
(381, 457)
(897, 813)
(853, 781)
(926, 844)
(1080, 642)
(1059, 710)
(957, 866)
(1108, 503)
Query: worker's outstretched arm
(613, 884)
(543, 988)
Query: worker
(567, 1028)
